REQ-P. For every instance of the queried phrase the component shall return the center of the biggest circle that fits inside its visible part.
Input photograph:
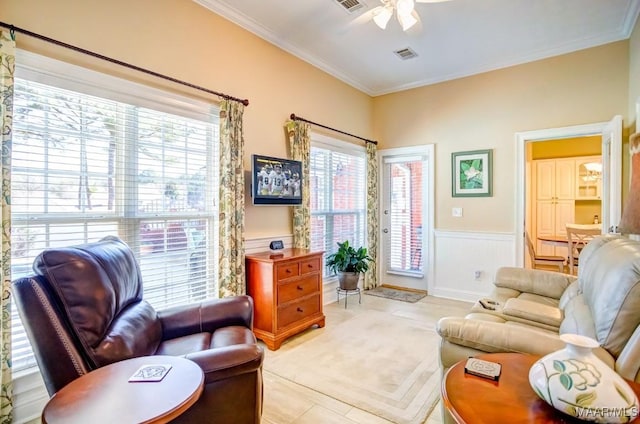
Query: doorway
(611, 139)
(406, 217)
(564, 187)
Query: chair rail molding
(261, 244)
(466, 262)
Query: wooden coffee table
(105, 395)
(477, 400)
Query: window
(84, 167)
(404, 214)
(338, 196)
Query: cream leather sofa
(528, 310)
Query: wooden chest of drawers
(286, 288)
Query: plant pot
(575, 381)
(348, 280)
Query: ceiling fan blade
(417, 28)
(366, 16)
(362, 19)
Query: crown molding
(584, 43)
(233, 15)
(630, 19)
(261, 31)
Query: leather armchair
(84, 309)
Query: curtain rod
(298, 118)
(119, 62)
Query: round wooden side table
(477, 400)
(106, 396)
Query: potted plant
(349, 263)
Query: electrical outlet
(457, 212)
(477, 275)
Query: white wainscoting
(29, 396)
(459, 254)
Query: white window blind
(338, 196)
(404, 214)
(84, 167)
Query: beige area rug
(395, 378)
(395, 294)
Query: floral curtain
(300, 144)
(7, 67)
(231, 223)
(371, 276)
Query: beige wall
(184, 40)
(484, 111)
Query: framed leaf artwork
(471, 173)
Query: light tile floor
(288, 403)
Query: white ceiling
(454, 39)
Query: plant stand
(348, 293)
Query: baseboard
(463, 295)
(407, 289)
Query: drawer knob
(299, 310)
(309, 266)
(288, 271)
(299, 288)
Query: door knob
(385, 231)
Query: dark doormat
(396, 294)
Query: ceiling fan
(404, 9)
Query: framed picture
(471, 173)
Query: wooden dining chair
(578, 235)
(541, 260)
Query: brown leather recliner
(84, 309)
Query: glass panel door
(403, 220)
